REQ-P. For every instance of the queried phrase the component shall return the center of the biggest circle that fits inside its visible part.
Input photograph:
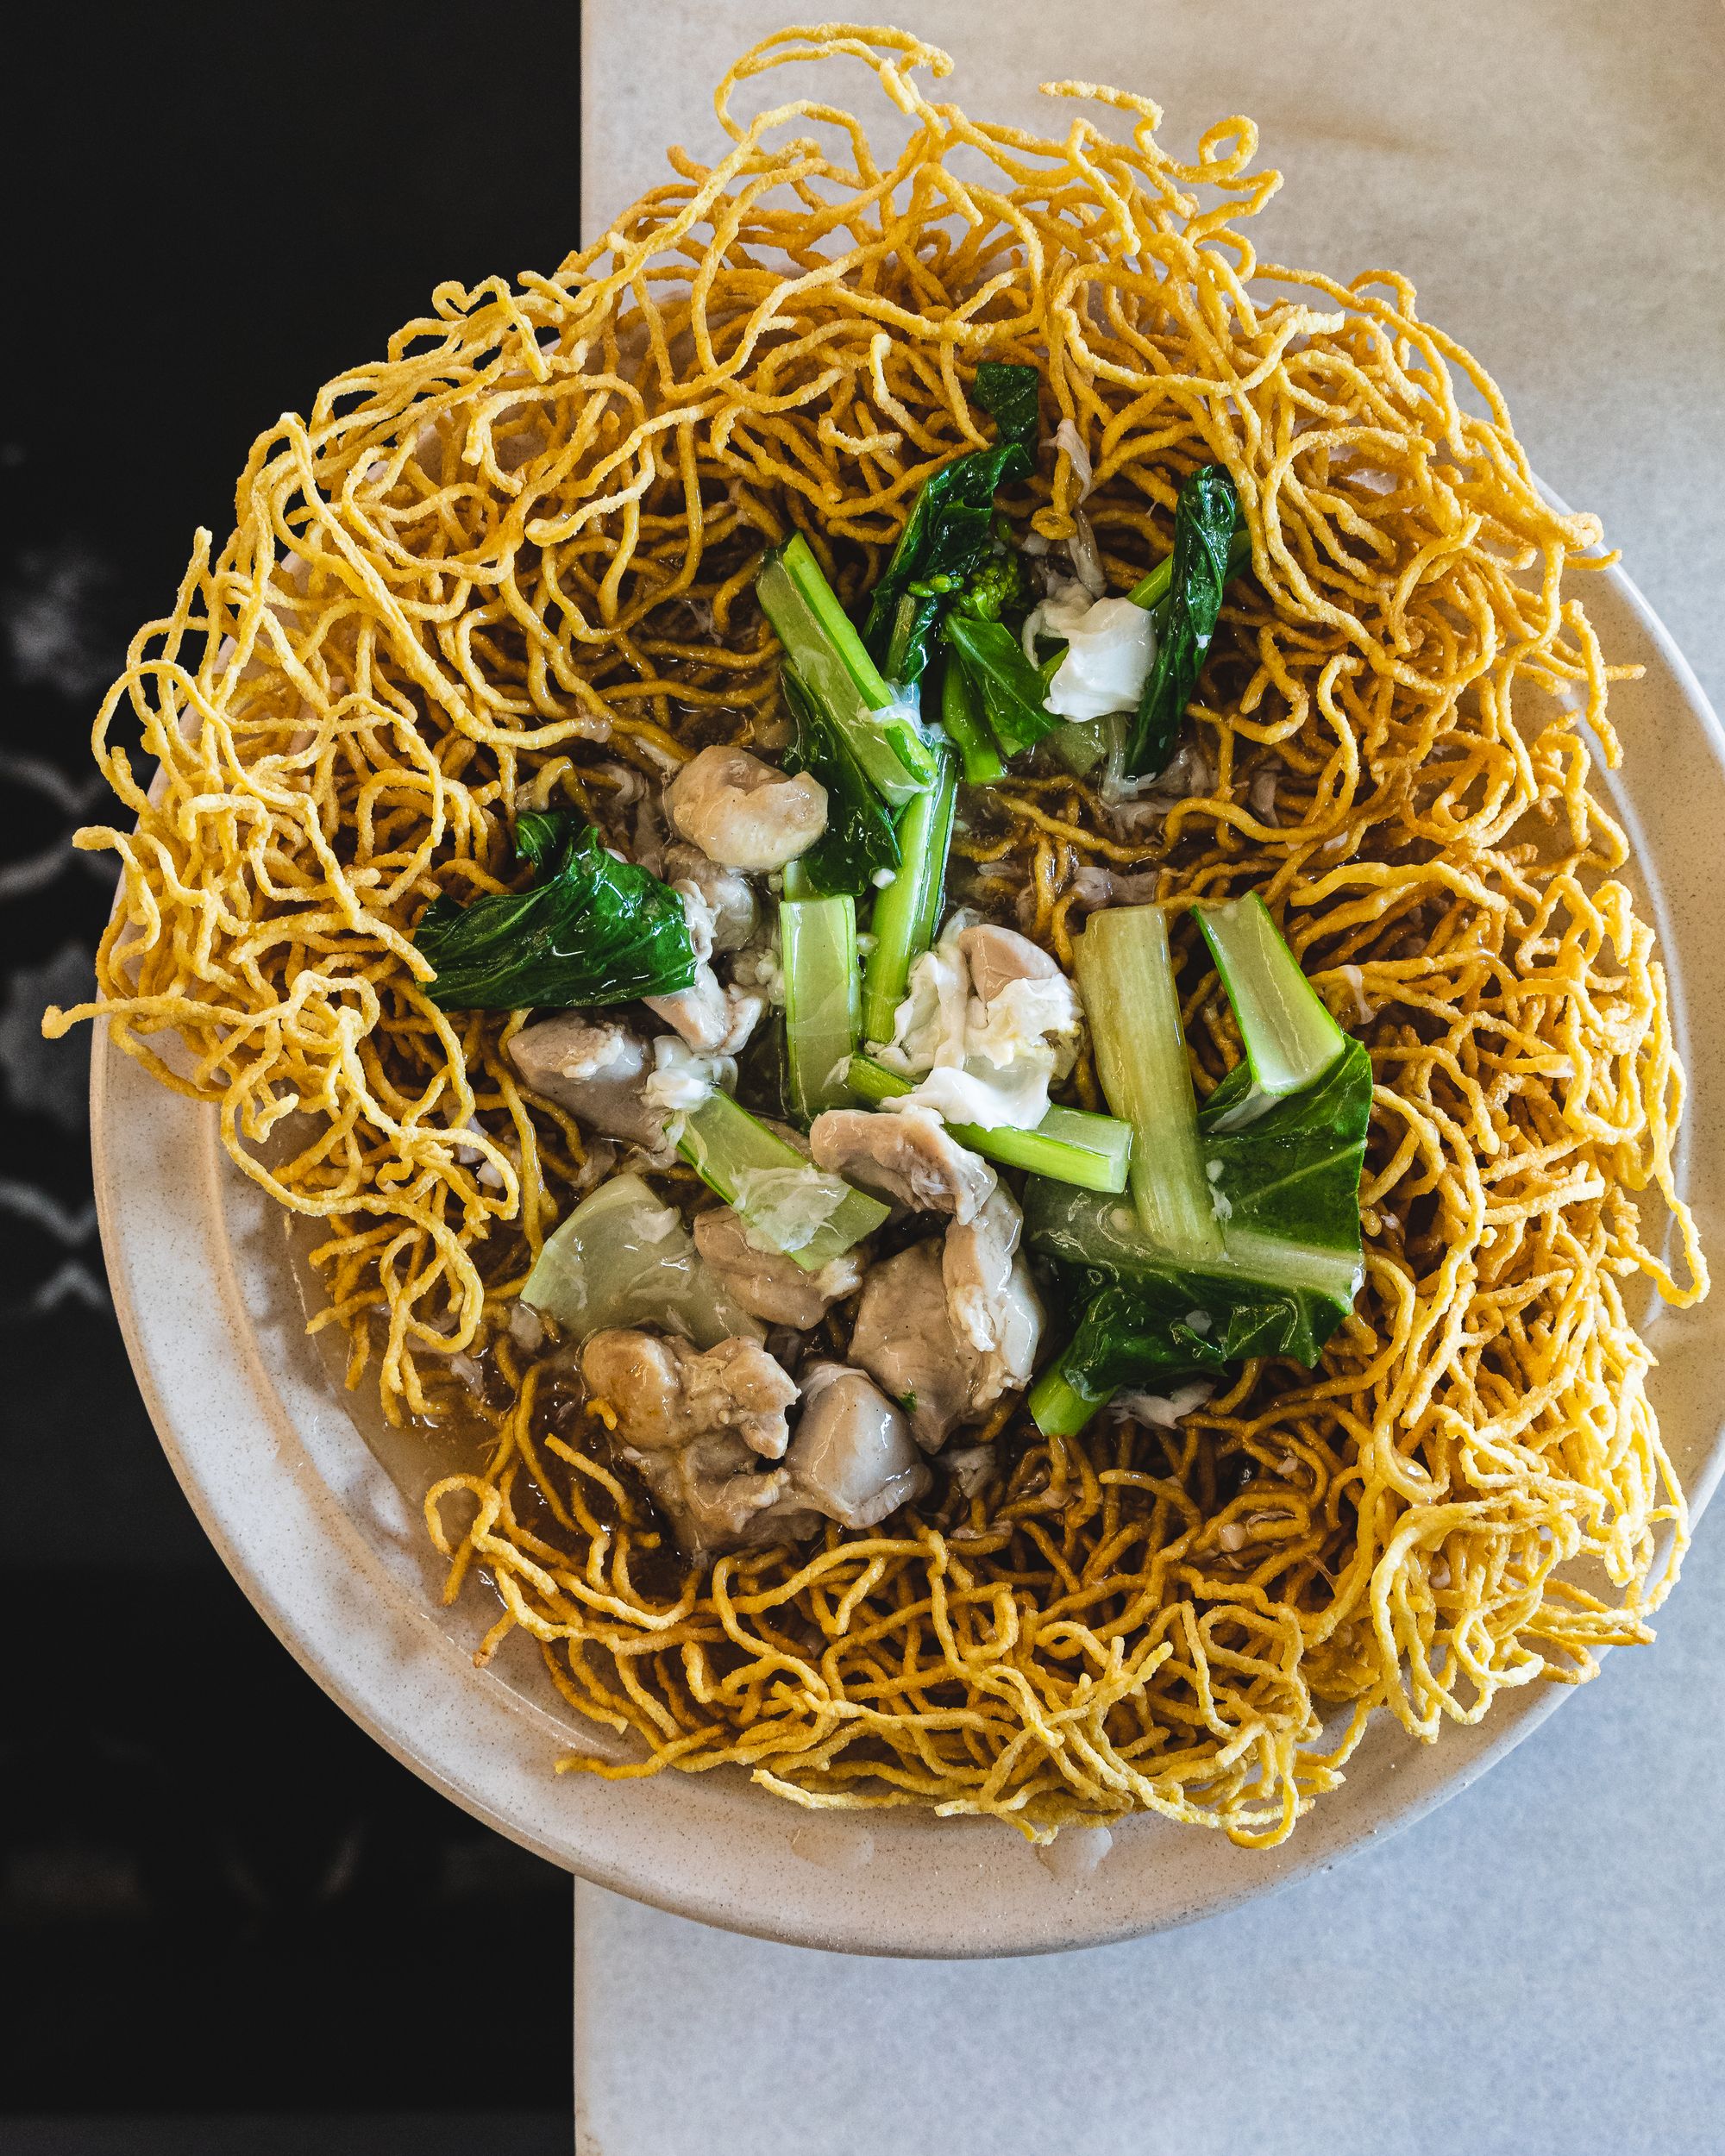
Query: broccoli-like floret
(998, 590)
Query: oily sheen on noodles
(511, 566)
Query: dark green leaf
(1008, 687)
(1293, 1172)
(947, 535)
(1152, 1328)
(859, 839)
(1204, 520)
(595, 930)
(539, 835)
(1007, 391)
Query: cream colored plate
(315, 1530)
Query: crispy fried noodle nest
(511, 566)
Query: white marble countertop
(1538, 1967)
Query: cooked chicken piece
(852, 1457)
(908, 1156)
(714, 1019)
(743, 814)
(594, 1067)
(972, 1468)
(666, 1392)
(905, 1339)
(716, 1495)
(729, 901)
(767, 1284)
(991, 1299)
(998, 955)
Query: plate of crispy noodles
(890, 1110)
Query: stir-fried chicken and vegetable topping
(897, 1215)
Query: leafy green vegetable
(1205, 516)
(1284, 1182)
(538, 834)
(1147, 1319)
(1008, 687)
(948, 546)
(859, 841)
(962, 718)
(1156, 1327)
(949, 532)
(1008, 389)
(1291, 1175)
(789, 1204)
(880, 728)
(902, 923)
(595, 930)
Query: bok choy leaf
(1206, 516)
(590, 929)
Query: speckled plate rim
(320, 1541)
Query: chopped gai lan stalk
(1280, 1271)
(876, 724)
(786, 1203)
(590, 929)
(1069, 1145)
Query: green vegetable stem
(787, 1204)
(1069, 1145)
(906, 912)
(817, 938)
(837, 676)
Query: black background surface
(215, 1894)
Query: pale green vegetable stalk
(828, 659)
(1069, 1145)
(1127, 978)
(817, 938)
(787, 1204)
(1290, 1039)
(904, 914)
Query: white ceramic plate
(312, 1525)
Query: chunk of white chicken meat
(904, 1338)
(767, 1283)
(852, 1457)
(595, 1067)
(988, 1023)
(743, 814)
(991, 1301)
(997, 956)
(666, 1392)
(711, 1018)
(948, 1327)
(715, 1496)
(731, 910)
(909, 1157)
